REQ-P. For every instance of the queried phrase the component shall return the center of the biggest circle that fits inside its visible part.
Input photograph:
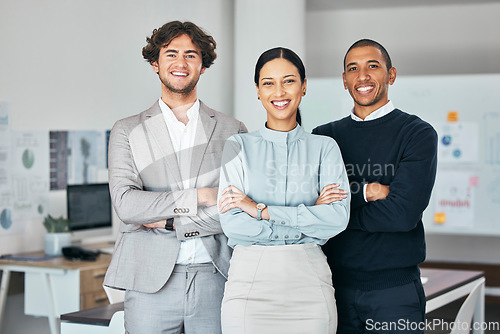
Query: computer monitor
(89, 210)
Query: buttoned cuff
(284, 233)
(279, 216)
(188, 207)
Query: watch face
(261, 206)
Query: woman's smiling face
(280, 90)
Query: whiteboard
(476, 99)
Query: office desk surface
(60, 262)
(97, 316)
(56, 268)
(439, 282)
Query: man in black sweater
(390, 157)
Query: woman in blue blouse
(280, 199)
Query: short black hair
(377, 45)
(284, 53)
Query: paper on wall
(29, 177)
(454, 195)
(458, 142)
(5, 191)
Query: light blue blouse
(286, 171)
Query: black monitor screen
(89, 206)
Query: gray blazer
(145, 183)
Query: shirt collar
(380, 112)
(192, 112)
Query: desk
(441, 288)
(445, 286)
(53, 287)
(92, 321)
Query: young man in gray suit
(171, 256)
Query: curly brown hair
(164, 35)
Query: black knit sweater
(384, 241)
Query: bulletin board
(465, 111)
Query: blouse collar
(282, 136)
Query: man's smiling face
(179, 65)
(367, 79)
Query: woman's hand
(330, 193)
(232, 198)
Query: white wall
(451, 39)
(436, 40)
(262, 25)
(78, 65)
(67, 65)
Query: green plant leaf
(56, 225)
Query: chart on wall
(465, 112)
(77, 157)
(27, 186)
(34, 162)
(5, 191)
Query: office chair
(117, 323)
(464, 315)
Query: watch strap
(169, 225)
(260, 207)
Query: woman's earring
(258, 97)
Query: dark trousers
(399, 309)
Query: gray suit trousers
(189, 303)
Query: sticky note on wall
(452, 116)
(440, 217)
(474, 181)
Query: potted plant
(57, 236)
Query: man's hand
(160, 224)
(207, 196)
(376, 191)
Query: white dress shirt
(182, 137)
(380, 112)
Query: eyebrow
(369, 61)
(177, 51)
(286, 76)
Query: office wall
(451, 39)
(258, 30)
(77, 65)
(436, 40)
